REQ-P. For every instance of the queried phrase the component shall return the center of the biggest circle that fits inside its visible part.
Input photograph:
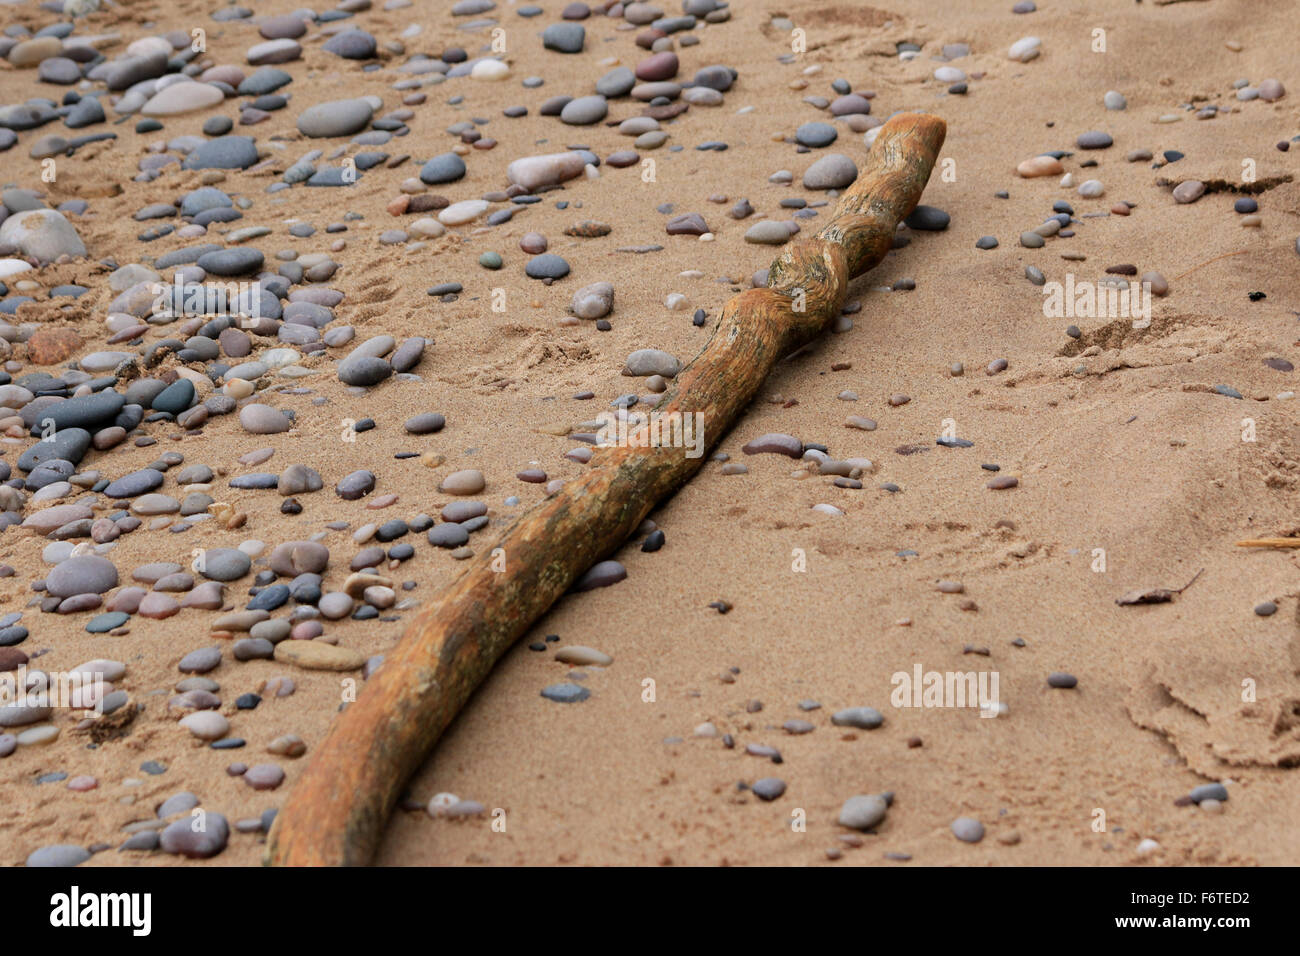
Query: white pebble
(489, 70)
(1025, 49)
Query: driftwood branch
(336, 812)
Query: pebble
(1209, 791)
(815, 135)
(768, 788)
(601, 575)
(863, 812)
(832, 171)
(593, 301)
(967, 829)
(316, 655)
(425, 424)
(1188, 191)
(58, 854)
(1094, 139)
(774, 443)
(1025, 49)
(583, 656)
(566, 693)
(546, 266)
(768, 232)
(444, 168)
(864, 718)
(206, 724)
(336, 118)
(264, 776)
(43, 234)
(469, 481)
(585, 110)
(85, 574)
(261, 419)
(652, 362)
(185, 837)
(564, 37)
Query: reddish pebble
(307, 631)
(661, 66)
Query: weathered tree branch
(336, 812)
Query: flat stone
(316, 655)
(585, 110)
(533, 172)
(864, 718)
(583, 656)
(58, 854)
(566, 693)
(181, 98)
(336, 118)
(85, 574)
(775, 443)
(224, 152)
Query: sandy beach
(1144, 448)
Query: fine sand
(1133, 471)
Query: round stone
(263, 419)
(768, 788)
(815, 135)
(206, 724)
(546, 266)
(1094, 139)
(425, 424)
(467, 482)
(445, 168)
(43, 234)
(585, 110)
(223, 564)
(832, 171)
(968, 829)
(84, 574)
(863, 812)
